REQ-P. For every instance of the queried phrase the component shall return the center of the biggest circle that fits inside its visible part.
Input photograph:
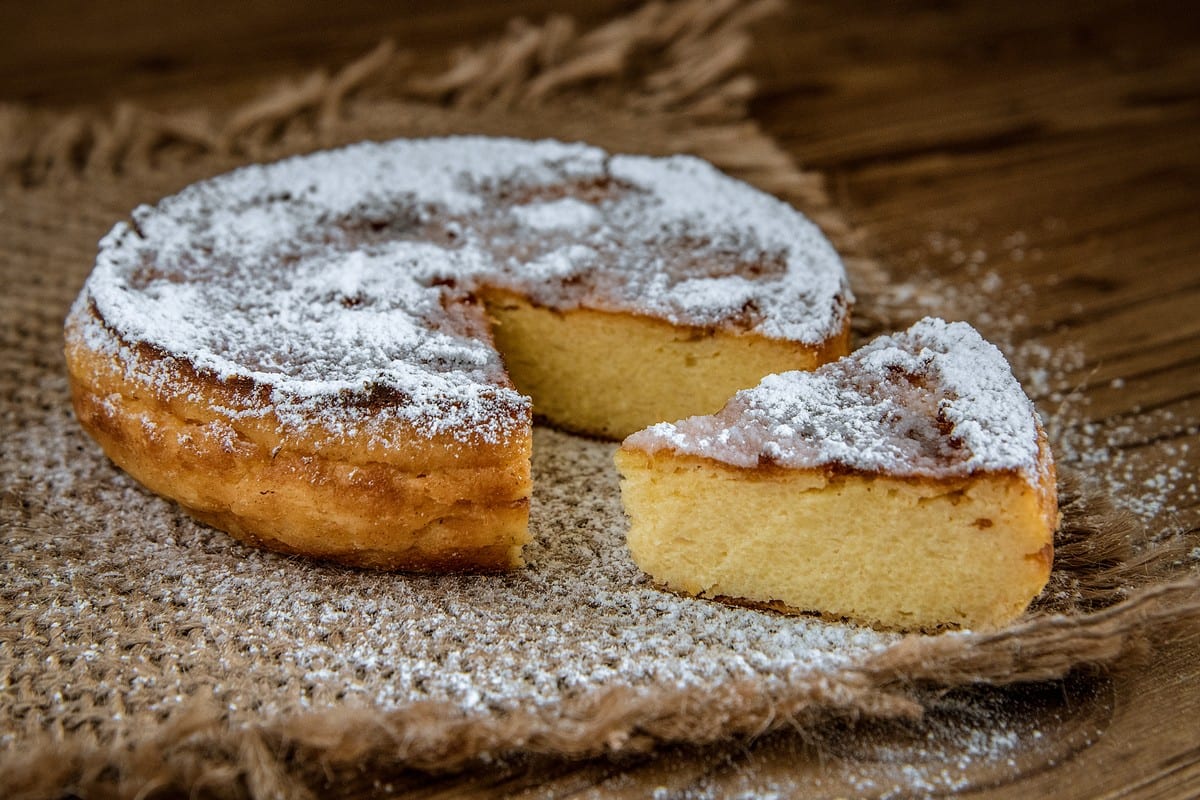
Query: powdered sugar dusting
(694, 196)
(350, 272)
(565, 214)
(1143, 459)
(933, 401)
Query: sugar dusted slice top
(936, 401)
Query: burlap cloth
(142, 653)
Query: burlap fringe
(197, 751)
(680, 59)
(1106, 596)
(687, 53)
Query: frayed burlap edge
(197, 750)
(1111, 588)
(680, 60)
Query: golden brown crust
(430, 505)
(437, 503)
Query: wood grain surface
(1074, 128)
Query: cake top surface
(935, 401)
(351, 271)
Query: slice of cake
(908, 485)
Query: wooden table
(1075, 125)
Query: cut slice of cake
(908, 485)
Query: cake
(340, 355)
(907, 486)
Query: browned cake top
(348, 273)
(936, 401)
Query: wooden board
(1069, 131)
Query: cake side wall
(895, 553)
(343, 505)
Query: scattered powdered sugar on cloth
(263, 634)
(1144, 460)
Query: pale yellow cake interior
(609, 374)
(902, 554)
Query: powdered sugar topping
(351, 272)
(936, 400)
(565, 214)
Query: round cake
(340, 354)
